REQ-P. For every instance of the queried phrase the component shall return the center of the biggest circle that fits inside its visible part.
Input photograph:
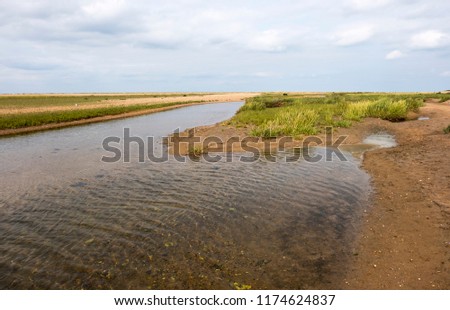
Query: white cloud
(445, 73)
(394, 55)
(429, 39)
(268, 41)
(354, 35)
(104, 8)
(364, 5)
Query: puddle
(382, 140)
(423, 118)
(372, 142)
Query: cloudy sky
(190, 45)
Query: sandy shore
(404, 241)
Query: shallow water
(423, 118)
(383, 140)
(68, 220)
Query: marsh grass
(196, 151)
(291, 121)
(276, 115)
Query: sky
(189, 45)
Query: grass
(447, 130)
(13, 121)
(293, 115)
(196, 151)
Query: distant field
(49, 100)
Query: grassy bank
(14, 121)
(284, 114)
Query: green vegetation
(240, 286)
(196, 151)
(293, 115)
(20, 120)
(447, 130)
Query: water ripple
(191, 225)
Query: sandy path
(226, 97)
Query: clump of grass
(356, 111)
(289, 122)
(196, 151)
(413, 104)
(343, 123)
(447, 130)
(388, 109)
(253, 105)
(266, 102)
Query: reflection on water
(181, 225)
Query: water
(69, 221)
(382, 140)
(371, 142)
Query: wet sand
(405, 241)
